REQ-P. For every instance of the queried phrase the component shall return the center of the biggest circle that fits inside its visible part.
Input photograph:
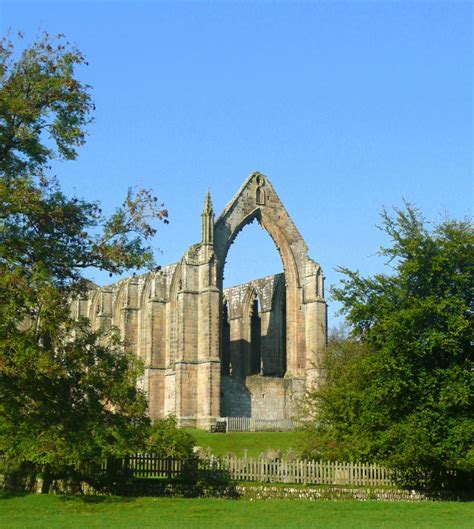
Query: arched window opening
(252, 255)
(225, 363)
(255, 338)
(282, 338)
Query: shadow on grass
(8, 495)
(96, 499)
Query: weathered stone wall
(258, 200)
(269, 293)
(173, 319)
(260, 397)
(177, 488)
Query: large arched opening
(253, 331)
(286, 240)
(270, 350)
(199, 365)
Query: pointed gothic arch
(225, 347)
(251, 353)
(94, 309)
(278, 328)
(257, 200)
(174, 320)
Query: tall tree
(399, 390)
(41, 99)
(66, 393)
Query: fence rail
(149, 465)
(250, 424)
(286, 470)
(306, 471)
(266, 470)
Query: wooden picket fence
(265, 470)
(285, 470)
(150, 465)
(250, 424)
(306, 471)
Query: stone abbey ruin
(209, 352)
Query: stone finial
(207, 220)
(208, 210)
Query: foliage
(167, 440)
(41, 100)
(399, 389)
(67, 393)
(341, 368)
(72, 401)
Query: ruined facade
(249, 350)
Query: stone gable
(249, 350)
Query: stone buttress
(250, 350)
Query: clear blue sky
(346, 107)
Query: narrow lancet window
(225, 340)
(255, 338)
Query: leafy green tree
(335, 400)
(67, 394)
(399, 390)
(166, 440)
(41, 100)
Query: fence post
(259, 469)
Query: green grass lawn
(66, 512)
(258, 442)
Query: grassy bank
(255, 443)
(59, 512)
